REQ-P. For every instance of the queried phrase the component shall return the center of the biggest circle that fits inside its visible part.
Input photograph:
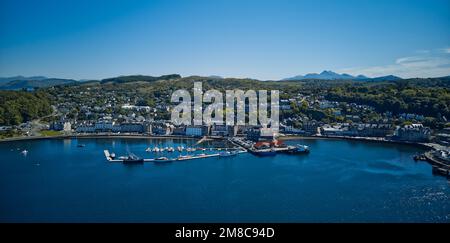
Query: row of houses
(158, 128)
(360, 130)
(107, 126)
(413, 132)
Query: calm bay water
(339, 181)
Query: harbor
(439, 160)
(240, 145)
(378, 178)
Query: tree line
(17, 107)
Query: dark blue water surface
(339, 181)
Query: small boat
(302, 149)
(112, 155)
(155, 149)
(25, 152)
(184, 157)
(161, 150)
(81, 145)
(162, 160)
(299, 149)
(193, 149)
(189, 150)
(180, 148)
(171, 149)
(132, 158)
(148, 149)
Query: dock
(188, 157)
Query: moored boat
(298, 149)
(162, 160)
(184, 157)
(131, 159)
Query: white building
(136, 107)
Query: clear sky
(246, 38)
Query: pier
(250, 147)
(180, 158)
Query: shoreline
(430, 146)
(362, 139)
(100, 136)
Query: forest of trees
(19, 106)
(396, 98)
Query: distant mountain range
(21, 82)
(330, 75)
(135, 78)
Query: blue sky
(247, 38)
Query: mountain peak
(327, 72)
(330, 75)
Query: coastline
(431, 146)
(105, 136)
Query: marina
(130, 159)
(268, 148)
